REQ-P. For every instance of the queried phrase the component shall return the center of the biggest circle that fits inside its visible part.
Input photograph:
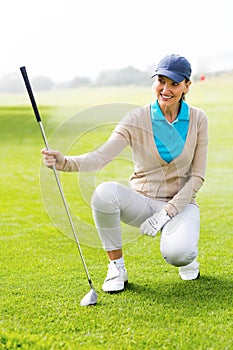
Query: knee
(178, 256)
(104, 198)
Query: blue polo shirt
(170, 137)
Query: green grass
(42, 279)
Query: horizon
(62, 39)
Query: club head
(90, 298)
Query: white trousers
(113, 202)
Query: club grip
(30, 93)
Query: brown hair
(183, 95)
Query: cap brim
(171, 75)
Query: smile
(165, 97)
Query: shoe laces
(113, 270)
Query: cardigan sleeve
(96, 160)
(198, 169)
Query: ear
(187, 85)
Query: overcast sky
(66, 38)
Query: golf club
(91, 297)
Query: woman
(169, 140)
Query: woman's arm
(88, 162)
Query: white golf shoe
(190, 271)
(116, 279)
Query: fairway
(42, 278)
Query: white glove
(153, 224)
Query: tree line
(126, 76)
(12, 83)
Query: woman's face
(169, 92)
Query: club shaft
(37, 115)
(66, 206)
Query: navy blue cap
(175, 67)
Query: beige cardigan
(176, 182)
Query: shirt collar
(157, 114)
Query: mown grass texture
(42, 278)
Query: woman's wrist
(64, 164)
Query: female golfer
(169, 140)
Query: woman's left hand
(153, 224)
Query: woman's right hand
(53, 158)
